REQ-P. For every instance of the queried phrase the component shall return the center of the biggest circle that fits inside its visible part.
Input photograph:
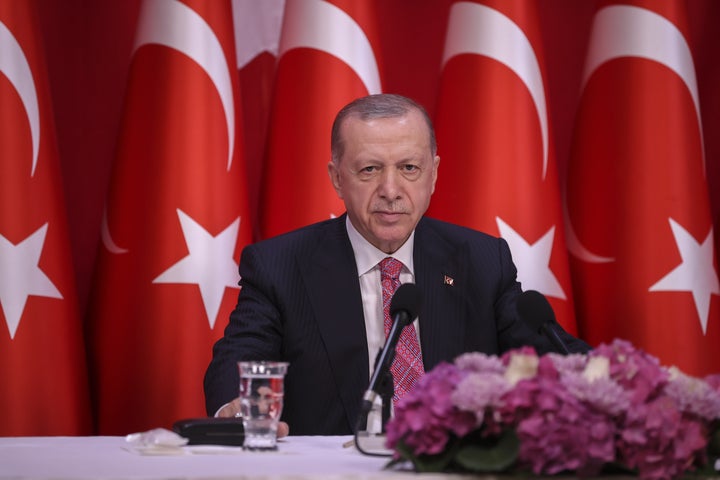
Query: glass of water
(261, 402)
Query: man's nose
(390, 182)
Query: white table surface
(110, 458)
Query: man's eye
(410, 168)
(369, 169)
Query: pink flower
(693, 395)
(478, 392)
(658, 441)
(425, 418)
(557, 432)
(479, 362)
(714, 381)
(637, 372)
(570, 414)
(568, 363)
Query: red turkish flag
(43, 373)
(498, 172)
(639, 215)
(176, 220)
(327, 59)
(257, 38)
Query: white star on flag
(209, 264)
(695, 273)
(21, 276)
(533, 261)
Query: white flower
(521, 367)
(597, 368)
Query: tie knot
(390, 268)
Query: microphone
(404, 308)
(536, 311)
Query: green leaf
(404, 451)
(714, 442)
(428, 463)
(495, 456)
(439, 462)
(618, 468)
(713, 453)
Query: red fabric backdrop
(88, 47)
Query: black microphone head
(535, 309)
(407, 299)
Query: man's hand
(232, 409)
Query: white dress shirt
(367, 258)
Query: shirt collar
(367, 256)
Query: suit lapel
(331, 279)
(441, 274)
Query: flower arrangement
(615, 409)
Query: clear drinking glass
(261, 402)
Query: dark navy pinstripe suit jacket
(300, 302)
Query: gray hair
(381, 105)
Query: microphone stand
(549, 330)
(404, 307)
(386, 390)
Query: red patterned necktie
(407, 367)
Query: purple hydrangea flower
(566, 364)
(571, 413)
(426, 417)
(480, 362)
(693, 395)
(478, 392)
(714, 381)
(518, 351)
(637, 372)
(657, 440)
(604, 395)
(557, 432)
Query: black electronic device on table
(211, 431)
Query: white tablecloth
(109, 458)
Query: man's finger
(232, 409)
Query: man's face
(385, 177)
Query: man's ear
(436, 164)
(334, 174)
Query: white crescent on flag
(107, 239)
(175, 25)
(476, 29)
(615, 35)
(257, 28)
(325, 27)
(14, 64)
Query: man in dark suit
(312, 297)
